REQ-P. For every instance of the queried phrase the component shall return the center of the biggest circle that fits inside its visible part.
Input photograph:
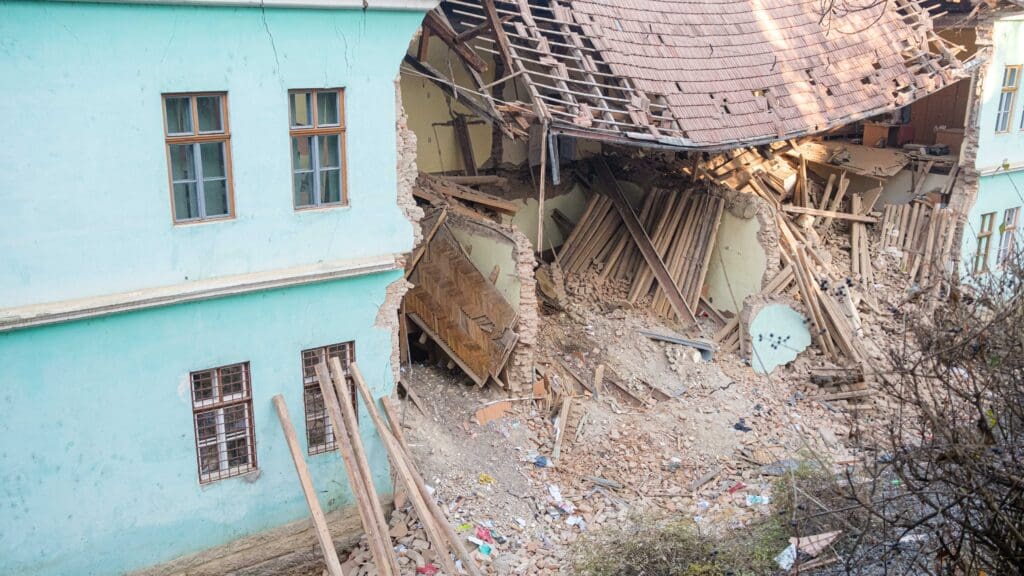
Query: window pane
(330, 151)
(310, 359)
(302, 153)
(202, 386)
(299, 109)
(213, 159)
(209, 111)
(215, 193)
(232, 380)
(209, 460)
(238, 452)
(236, 419)
(304, 189)
(182, 165)
(316, 432)
(206, 425)
(1009, 77)
(327, 108)
(186, 203)
(330, 186)
(179, 115)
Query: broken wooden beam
(830, 214)
(443, 31)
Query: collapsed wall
(389, 314)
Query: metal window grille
(319, 431)
(222, 412)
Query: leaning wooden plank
(370, 511)
(317, 514)
(343, 398)
(402, 467)
(830, 214)
(607, 180)
(453, 538)
(837, 201)
(563, 416)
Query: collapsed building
(692, 162)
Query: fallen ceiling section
(694, 75)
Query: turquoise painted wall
(83, 172)
(1008, 49)
(996, 193)
(998, 188)
(97, 450)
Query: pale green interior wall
(97, 449)
(778, 334)
(996, 193)
(737, 265)
(993, 149)
(487, 251)
(83, 174)
(572, 204)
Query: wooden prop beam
(402, 469)
(362, 487)
(453, 538)
(319, 520)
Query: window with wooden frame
(984, 243)
(317, 127)
(1007, 98)
(319, 431)
(222, 411)
(198, 156)
(1007, 235)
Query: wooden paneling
(460, 308)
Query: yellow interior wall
(437, 150)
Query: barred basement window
(317, 126)
(319, 431)
(225, 434)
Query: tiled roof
(715, 73)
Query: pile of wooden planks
(923, 233)
(844, 388)
(681, 227)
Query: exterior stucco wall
(995, 149)
(996, 193)
(98, 470)
(83, 172)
